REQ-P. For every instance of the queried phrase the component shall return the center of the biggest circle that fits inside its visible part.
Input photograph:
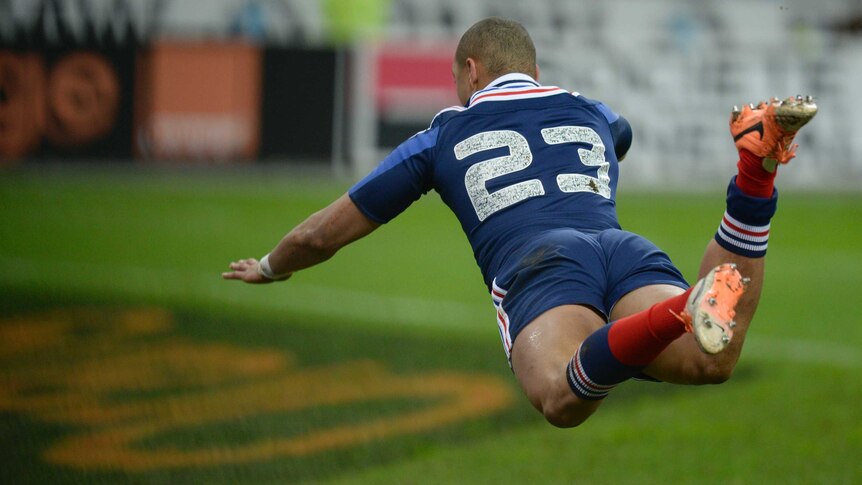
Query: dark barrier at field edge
(298, 104)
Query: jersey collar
(511, 80)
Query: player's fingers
(231, 275)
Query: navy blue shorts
(569, 267)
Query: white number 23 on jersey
(519, 158)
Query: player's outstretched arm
(313, 241)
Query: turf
(410, 299)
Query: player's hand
(246, 270)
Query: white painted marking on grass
(802, 351)
(294, 297)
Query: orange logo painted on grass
(123, 379)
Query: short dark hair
(501, 45)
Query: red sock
(638, 339)
(753, 179)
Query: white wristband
(265, 270)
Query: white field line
(293, 296)
(341, 303)
(812, 352)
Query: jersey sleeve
(399, 180)
(621, 130)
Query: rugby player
(531, 173)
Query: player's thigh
(682, 362)
(542, 351)
(642, 298)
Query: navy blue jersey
(520, 159)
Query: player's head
(489, 49)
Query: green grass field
(124, 358)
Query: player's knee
(568, 414)
(564, 420)
(718, 374)
(712, 372)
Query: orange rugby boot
(711, 305)
(767, 130)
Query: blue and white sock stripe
(744, 229)
(743, 239)
(740, 229)
(497, 295)
(581, 384)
